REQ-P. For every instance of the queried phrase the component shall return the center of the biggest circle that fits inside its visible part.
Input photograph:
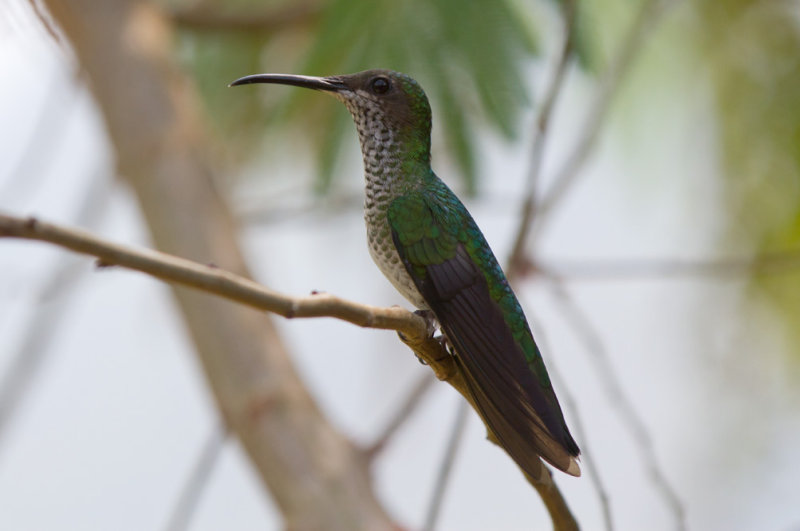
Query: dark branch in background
(568, 400)
(46, 21)
(408, 407)
(199, 477)
(294, 203)
(594, 344)
(215, 17)
(446, 467)
(633, 43)
(775, 263)
(519, 263)
(412, 328)
(542, 123)
(26, 362)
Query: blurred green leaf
(470, 56)
(752, 52)
(216, 59)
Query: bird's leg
(446, 344)
(431, 325)
(430, 320)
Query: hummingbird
(426, 243)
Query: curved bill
(319, 83)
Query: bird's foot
(446, 345)
(430, 320)
(430, 326)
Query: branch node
(101, 263)
(31, 224)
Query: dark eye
(380, 85)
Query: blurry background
(665, 290)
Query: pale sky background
(119, 411)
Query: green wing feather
(453, 267)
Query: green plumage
(430, 223)
(427, 244)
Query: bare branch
(214, 280)
(633, 43)
(409, 405)
(412, 329)
(541, 125)
(567, 398)
(198, 479)
(556, 505)
(315, 475)
(446, 466)
(594, 344)
(775, 263)
(588, 460)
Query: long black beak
(331, 84)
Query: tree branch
(774, 263)
(516, 260)
(214, 280)
(409, 405)
(588, 335)
(412, 329)
(446, 466)
(632, 44)
(150, 108)
(192, 490)
(587, 457)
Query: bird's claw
(430, 320)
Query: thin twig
(774, 263)
(594, 344)
(446, 466)
(633, 43)
(198, 479)
(213, 279)
(568, 399)
(540, 131)
(284, 207)
(409, 405)
(46, 21)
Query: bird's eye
(380, 85)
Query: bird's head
(388, 107)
